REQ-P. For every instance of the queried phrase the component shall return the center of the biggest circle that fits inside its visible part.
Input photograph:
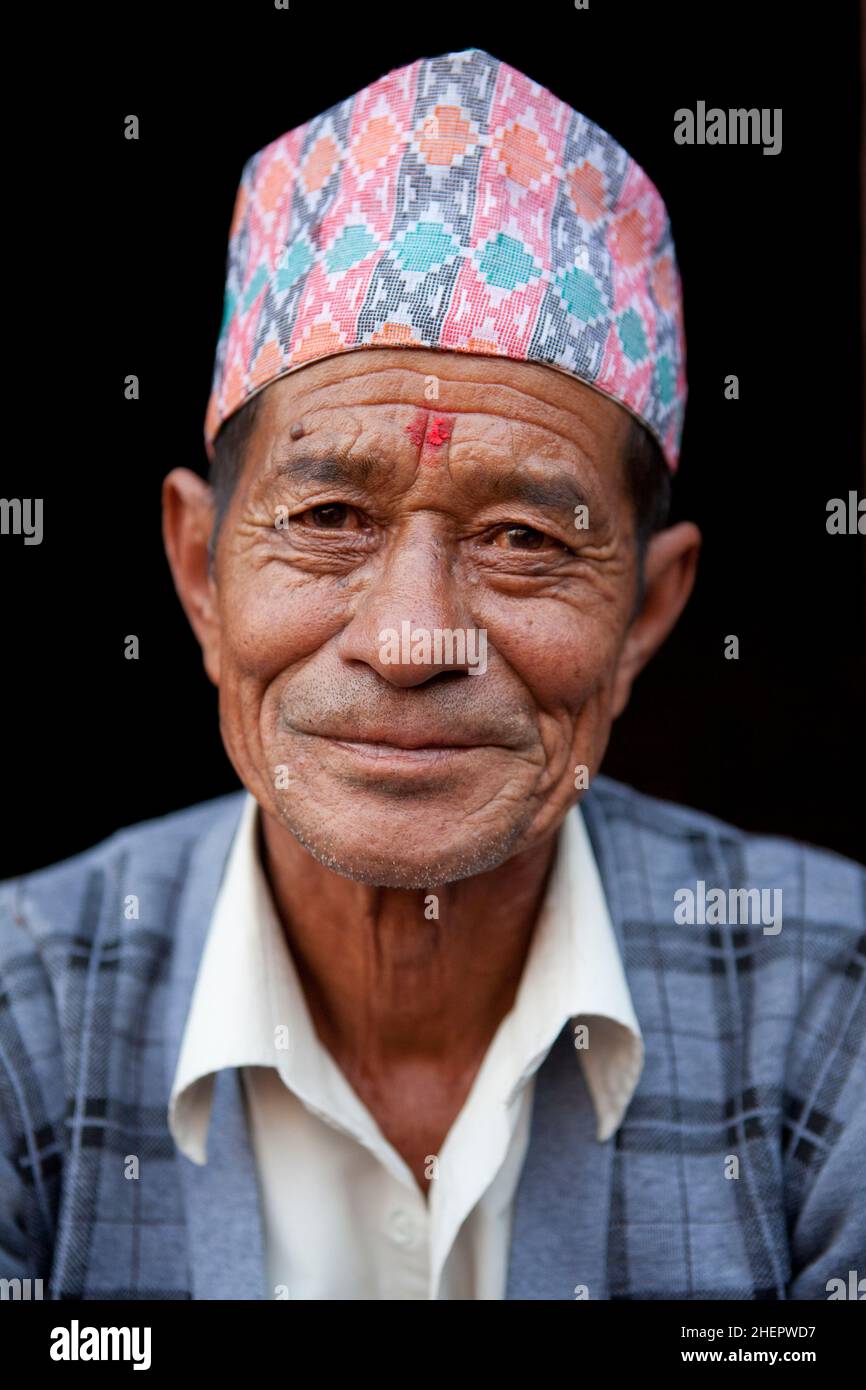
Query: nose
(413, 623)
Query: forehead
(495, 408)
(447, 381)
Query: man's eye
(522, 538)
(330, 515)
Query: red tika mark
(438, 433)
(415, 431)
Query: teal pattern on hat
(455, 204)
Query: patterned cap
(454, 204)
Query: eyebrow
(330, 468)
(555, 493)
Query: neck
(390, 985)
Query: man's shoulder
(668, 843)
(750, 944)
(685, 833)
(54, 899)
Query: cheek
(268, 624)
(562, 652)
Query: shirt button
(400, 1227)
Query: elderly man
(434, 1010)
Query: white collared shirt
(343, 1215)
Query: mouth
(377, 750)
(407, 755)
(396, 753)
(406, 743)
(391, 739)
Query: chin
(382, 858)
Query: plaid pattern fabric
(454, 204)
(755, 1052)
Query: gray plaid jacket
(738, 1171)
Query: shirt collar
(248, 1008)
(575, 951)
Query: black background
(117, 258)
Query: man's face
(364, 505)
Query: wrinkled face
(420, 614)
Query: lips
(388, 738)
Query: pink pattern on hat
(455, 204)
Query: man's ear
(669, 575)
(187, 522)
